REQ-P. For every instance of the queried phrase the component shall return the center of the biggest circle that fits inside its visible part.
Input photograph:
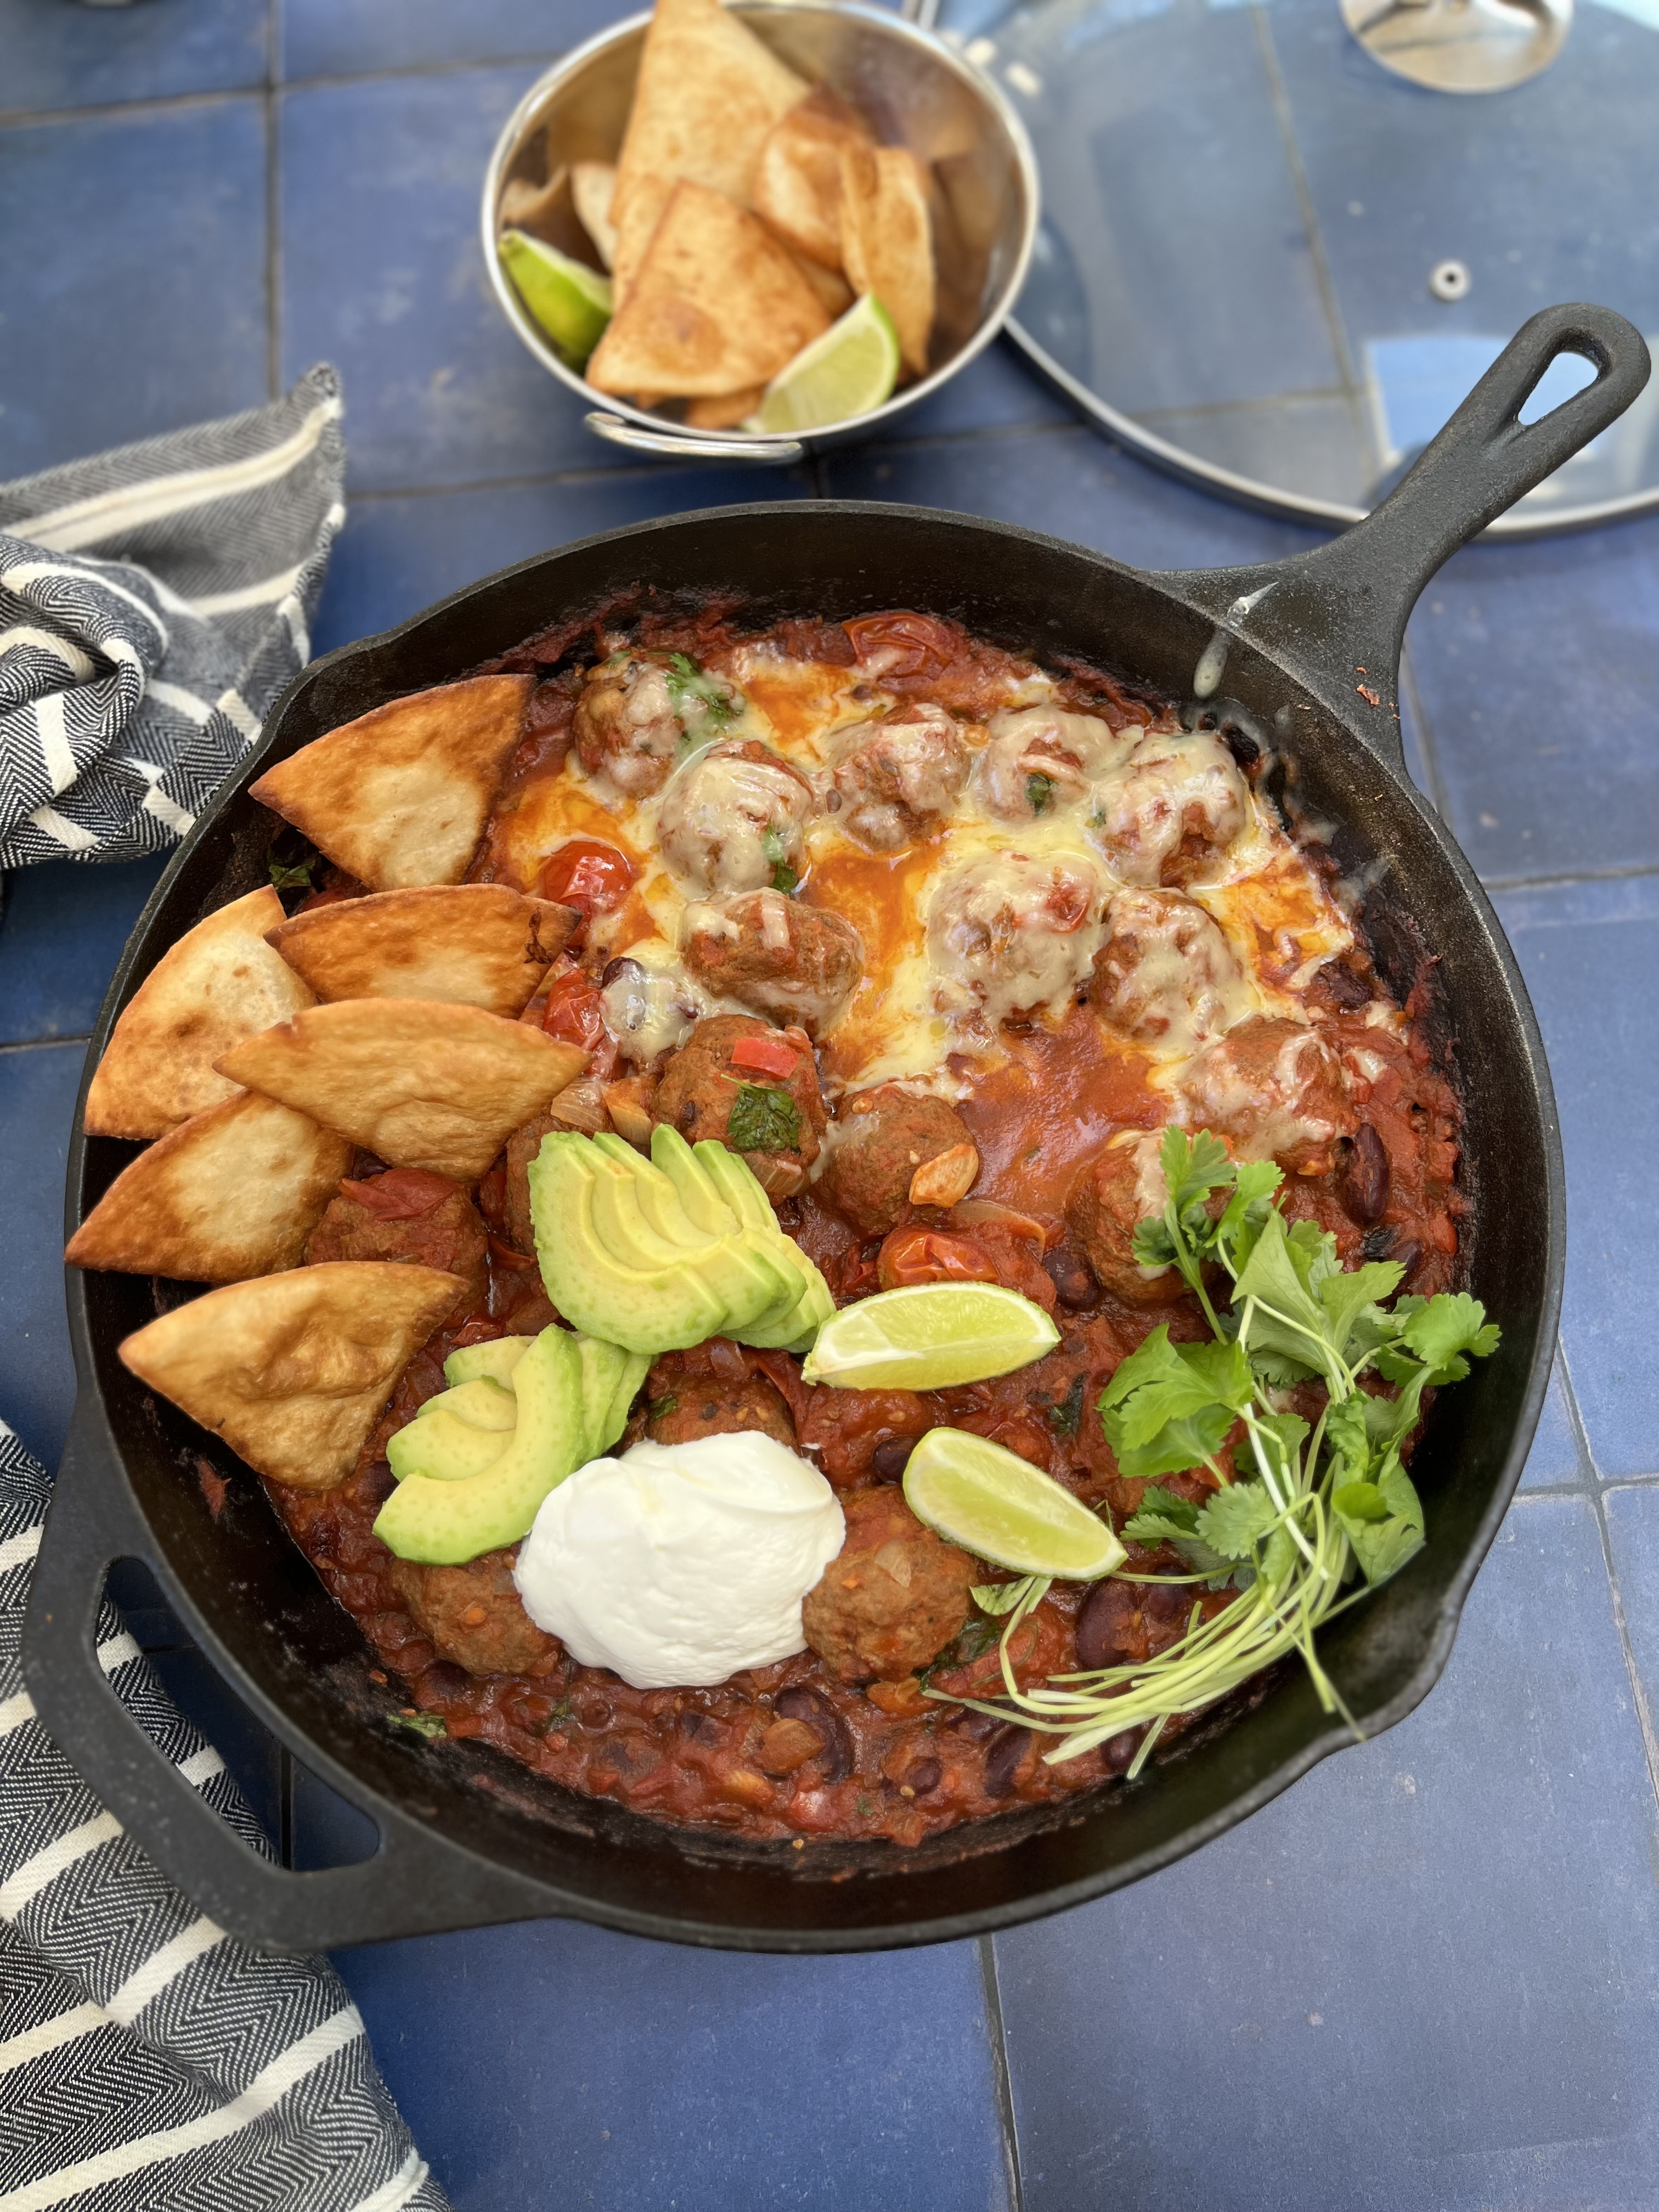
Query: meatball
(1276, 1091)
(1170, 812)
(1121, 1186)
(635, 710)
(474, 1614)
(1040, 759)
(881, 1137)
(409, 1214)
(735, 820)
(701, 1086)
(797, 964)
(682, 1408)
(1009, 934)
(898, 778)
(522, 1147)
(893, 1596)
(1166, 976)
(649, 1010)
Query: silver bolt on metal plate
(1449, 280)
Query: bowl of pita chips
(759, 230)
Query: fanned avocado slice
(658, 1199)
(485, 1404)
(602, 1371)
(734, 1179)
(795, 1330)
(446, 1523)
(738, 1269)
(789, 1326)
(495, 1360)
(443, 1448)
(622, 1405)
(690, 1177)
(645, 1309)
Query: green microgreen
(429, 1727)
(291, 876)
(762, 1120)
(784, 877)
(1299, 1508)
(698, 699)
(1039, 792)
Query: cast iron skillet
(1304, 653)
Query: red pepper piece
(401, 1194)
(766, 1055)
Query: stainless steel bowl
(912, 90)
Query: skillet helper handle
(93, 1521)
(1336, 617)
(695, 446)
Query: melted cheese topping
(1117, 807)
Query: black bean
(702, 1728)
(977, 1726)
(1117, 1753)
(1410, 1257)
(1073, 1278)
(1377, 1243)
(924, 1776)
(1365, 1178)
(1002, 1759)
(835, 1761)
(891, 1456)
(689, 1114)
(621, 967)
(1098, 1619)
(1345, 987)
(442, 1679)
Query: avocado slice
(645, 1309)
(789, 1326)
(736, 1268)
(495, 1359)
(447, 1524)
(443, 1448)
(485, 1404)
(793, 1331)
(602, 1371)
(684, 1207)
(734, 1178)
(691, 1179)
(681, 1184)
(616, 1419)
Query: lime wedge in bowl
(930, 1336)
(851, 369)
(1001, 1508)
(571, 302)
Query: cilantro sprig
(701, 701)
(1300, 1507)
(762, 1120)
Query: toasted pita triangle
(725, 412)
(219, 983)
(887, 240)
(718, 306)
(707, 92)
(420, 1084)
(473, 944)
(796, 185)
(400, 796)
(231, 1192)
(292, 1371)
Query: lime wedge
(1001, 1508)
(929, 1337)
(571, 302)
(850, 369)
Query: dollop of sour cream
(677, 1564)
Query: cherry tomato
(575, 1013)
(766, 1055)
(584, 872)
(917, 1254)
(904, 644)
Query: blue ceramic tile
(383, 273)
(546, 2064)
(1420, 1982)
(324, 1830)
(999, 391)
(1535, 668)
(396, 555)
(58, 56)
(1074, 484)
(356, 37)
(135, 291)
(38, 1085)
(61, 934)
(251, 1753)
(1633, 1534)
(1591, 952)
(1553, 1458)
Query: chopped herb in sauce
(1039, 792)
(697, 698)
(1066, 1415)
(762, 1120)
(428, 1726)
(295, 876)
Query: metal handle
(407, 1886)
(673, 445)
(1335, 617)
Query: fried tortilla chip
(797, 186)
(292, 1371)
(887, 240)
(399, 796)
(592, 188)
(707, 92)
(231, 1192)
(421, 1084)
(220, 983)
(834, 294)
(718, 306)
(472, 944)
(727, 411)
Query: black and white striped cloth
(148, 2062)
(154, 600)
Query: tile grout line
(1633, 873)
(1002, 2080)
(46, 1043)
(273, 228)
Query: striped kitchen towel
(153, 601)
(148, 2062)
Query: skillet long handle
(417, 1880)
(1335, 617)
